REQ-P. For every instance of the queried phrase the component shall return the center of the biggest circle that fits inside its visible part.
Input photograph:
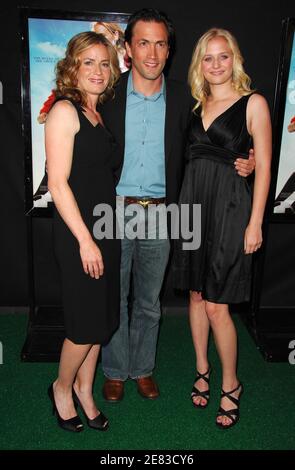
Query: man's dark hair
(149, 15)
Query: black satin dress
(219, 268)
(91, 307)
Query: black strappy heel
(197, 393)
(233, 414)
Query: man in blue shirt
(143, 172)
(148, 118)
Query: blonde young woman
(81, 165)
(229, 118)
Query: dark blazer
(178, 110)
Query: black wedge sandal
(233, 414)
(197, 393)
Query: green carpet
(169, 423)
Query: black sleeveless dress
(91, 306)
(219, 268)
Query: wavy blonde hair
(67, 68)
(199, 86)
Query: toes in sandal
(233, 414)
(197, 393)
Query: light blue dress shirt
(143, 172)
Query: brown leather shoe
(147, 387)
(113, 390)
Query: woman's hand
(91, 258)
(252, 239)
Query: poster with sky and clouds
(285, 187)
(47, 41)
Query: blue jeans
(131, 351)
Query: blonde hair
(67, 68)
(199, 86)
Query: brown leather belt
(144, 202)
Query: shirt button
(141, 164)
(143, 143)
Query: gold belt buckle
(144, 202)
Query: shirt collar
(155, 97)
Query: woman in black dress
(228, 119)
(81, 164)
